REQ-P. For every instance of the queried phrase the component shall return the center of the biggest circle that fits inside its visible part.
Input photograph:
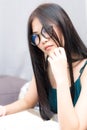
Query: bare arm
(81, 105)
(73, 116)
(27, 102)
(69, 117)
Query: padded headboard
(10, 88)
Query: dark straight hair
(53, 13)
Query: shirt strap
(82, 69)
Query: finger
(57, 52)
(50, 59)
(61, 50)
(52, 55)
(3, 111)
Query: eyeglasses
(45, 32)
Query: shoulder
(84, 68)
(84, 75)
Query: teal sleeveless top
(53, 94)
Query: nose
(43, 39)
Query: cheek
(63, 42)
(40, 47)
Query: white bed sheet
(26, 121)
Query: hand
(2, 111)
(58, 62)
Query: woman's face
(46, 44)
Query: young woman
(59, 60)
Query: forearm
(17, 106)
(66, 113)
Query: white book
(26, 121)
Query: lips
(48, 47)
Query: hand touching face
(58, 62)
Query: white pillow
(23, 90)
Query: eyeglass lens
(35, 38)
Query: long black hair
(53, 13)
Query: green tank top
(53, 93)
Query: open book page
(26, 121)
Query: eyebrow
(36, 31)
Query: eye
(48, 31)
(35, 39)
(44, 30)
(44, 33)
